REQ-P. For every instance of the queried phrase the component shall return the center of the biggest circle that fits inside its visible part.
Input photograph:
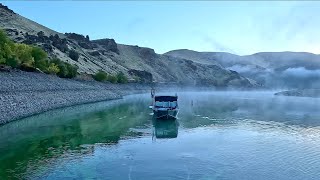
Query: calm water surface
(218, 135)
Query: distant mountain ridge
(272, 60)
(105, 54)
(271, 69)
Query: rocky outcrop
(147, 53)
(108, 44)
(47, 47)
(5, 8)
(78, 37)
(143, 76)
(94, 53)
(83, 41)
(12, 32)
(59, 43)
(47, 43)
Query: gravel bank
(24, 94)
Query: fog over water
(299, 77)
(220, 134)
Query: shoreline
(24, 94)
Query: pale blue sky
(238, 27)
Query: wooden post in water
(153, 91)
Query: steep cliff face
(170, 69)
(105, 54)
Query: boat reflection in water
(165, 128)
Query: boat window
(173, 104)
(166, 104)
(160, 104)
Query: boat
(165, 107)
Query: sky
(239, 27)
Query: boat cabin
(165, 102)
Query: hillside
(271, 69)
(105, 54)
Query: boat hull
(165, 114)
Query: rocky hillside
(271, 69)
(105, 54)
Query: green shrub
(40, 58)
(72, 70)
(28, 58)
(63, 71)
(3, 38)
(13, 62)
(53, 69)
(6, 52)
(6, 47)
(112, 79)
(121, 78)
(2, 60)
(100, 76)
(22, 53)
(66, 70)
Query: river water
(218, 135)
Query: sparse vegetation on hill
(103, 76)
(66, 70)
(112, 79)
(121, 78)
(32, 58)
(100, 76)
